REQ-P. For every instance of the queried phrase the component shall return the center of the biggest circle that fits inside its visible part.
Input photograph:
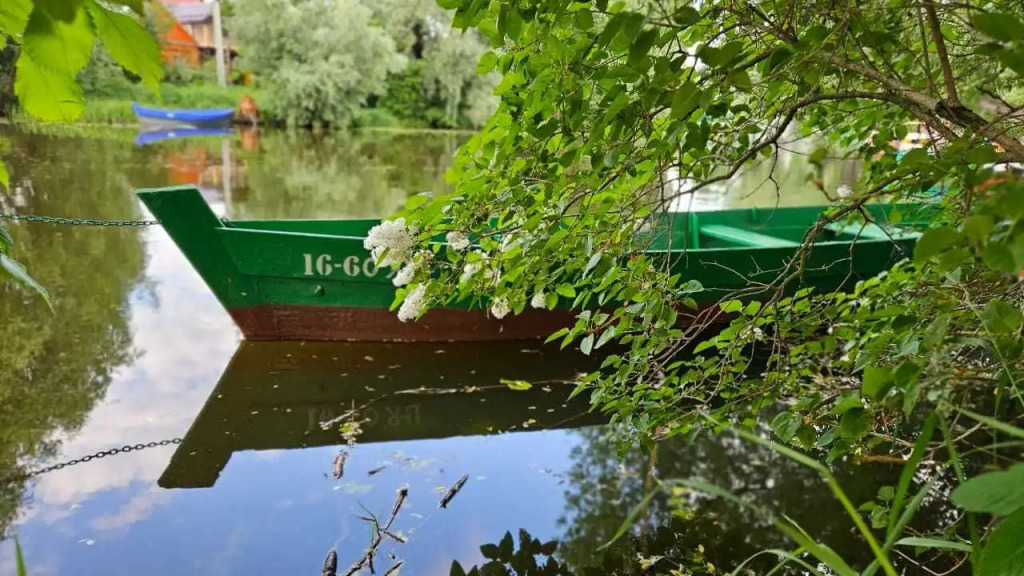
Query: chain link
(96, 456)
(76, 221)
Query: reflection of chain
(89, 458)
(77, 221)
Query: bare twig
(381, 531)
(940, 50)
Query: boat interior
(726, 229)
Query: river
(242, 477)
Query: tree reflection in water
(55, 366)
(711, 536)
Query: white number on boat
(351, 266)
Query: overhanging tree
(612, 112)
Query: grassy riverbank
(116, 109)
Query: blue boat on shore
(168, 118)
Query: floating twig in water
(381, 531)
(331, 563)
(453, 491)
(339, 463)
(375, 470)
(393, 571)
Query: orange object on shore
(248, 109)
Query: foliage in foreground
(56, 40)
(612, 113)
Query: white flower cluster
(844, 191)
(500, 308)
(457, 240)
(539, 300)
(413, 304)
(393, 237)
(408, 271)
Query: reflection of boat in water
(169, 118)
(145, 138)
(278, 395)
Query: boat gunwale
(860, 241)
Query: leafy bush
(317, 62)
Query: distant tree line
(335, 62)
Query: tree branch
(959, 114)
(940, 49)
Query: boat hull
(164, 119)
(349, 323)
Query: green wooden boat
(314, 280)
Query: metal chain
(76, 221)
(96, 456)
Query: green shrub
(376, 118)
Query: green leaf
(592, 262)
(487, 63)
(14, 16)
(607, 335)
(1000, 493)
(934, 543)
(982, 155)
(740, 79)
(978, 227)
(686, 16)
(60, 47)
(877, 382)
(1001, 317)
(456, 569)
(934, 242)
(684, 100)
(566, 290)
(20, 275)
(1000, 257)
(886, 493)
(517, 385)
(450, 4)
(490, 551)
(46, 95)
(5, 178)
(630, 520)
(64, 10)
(641, 46)
(937, 330)
(731, 306)
(855, 423)
(5, 238)
(550, 300)
(631, 24)
(514, 24)
(587, 344)
(19, 558)
(506, 547)
(129, 44)
(914, 158)
(846, 404)
(786, 424)
(1004, 548)
(1003, 27)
